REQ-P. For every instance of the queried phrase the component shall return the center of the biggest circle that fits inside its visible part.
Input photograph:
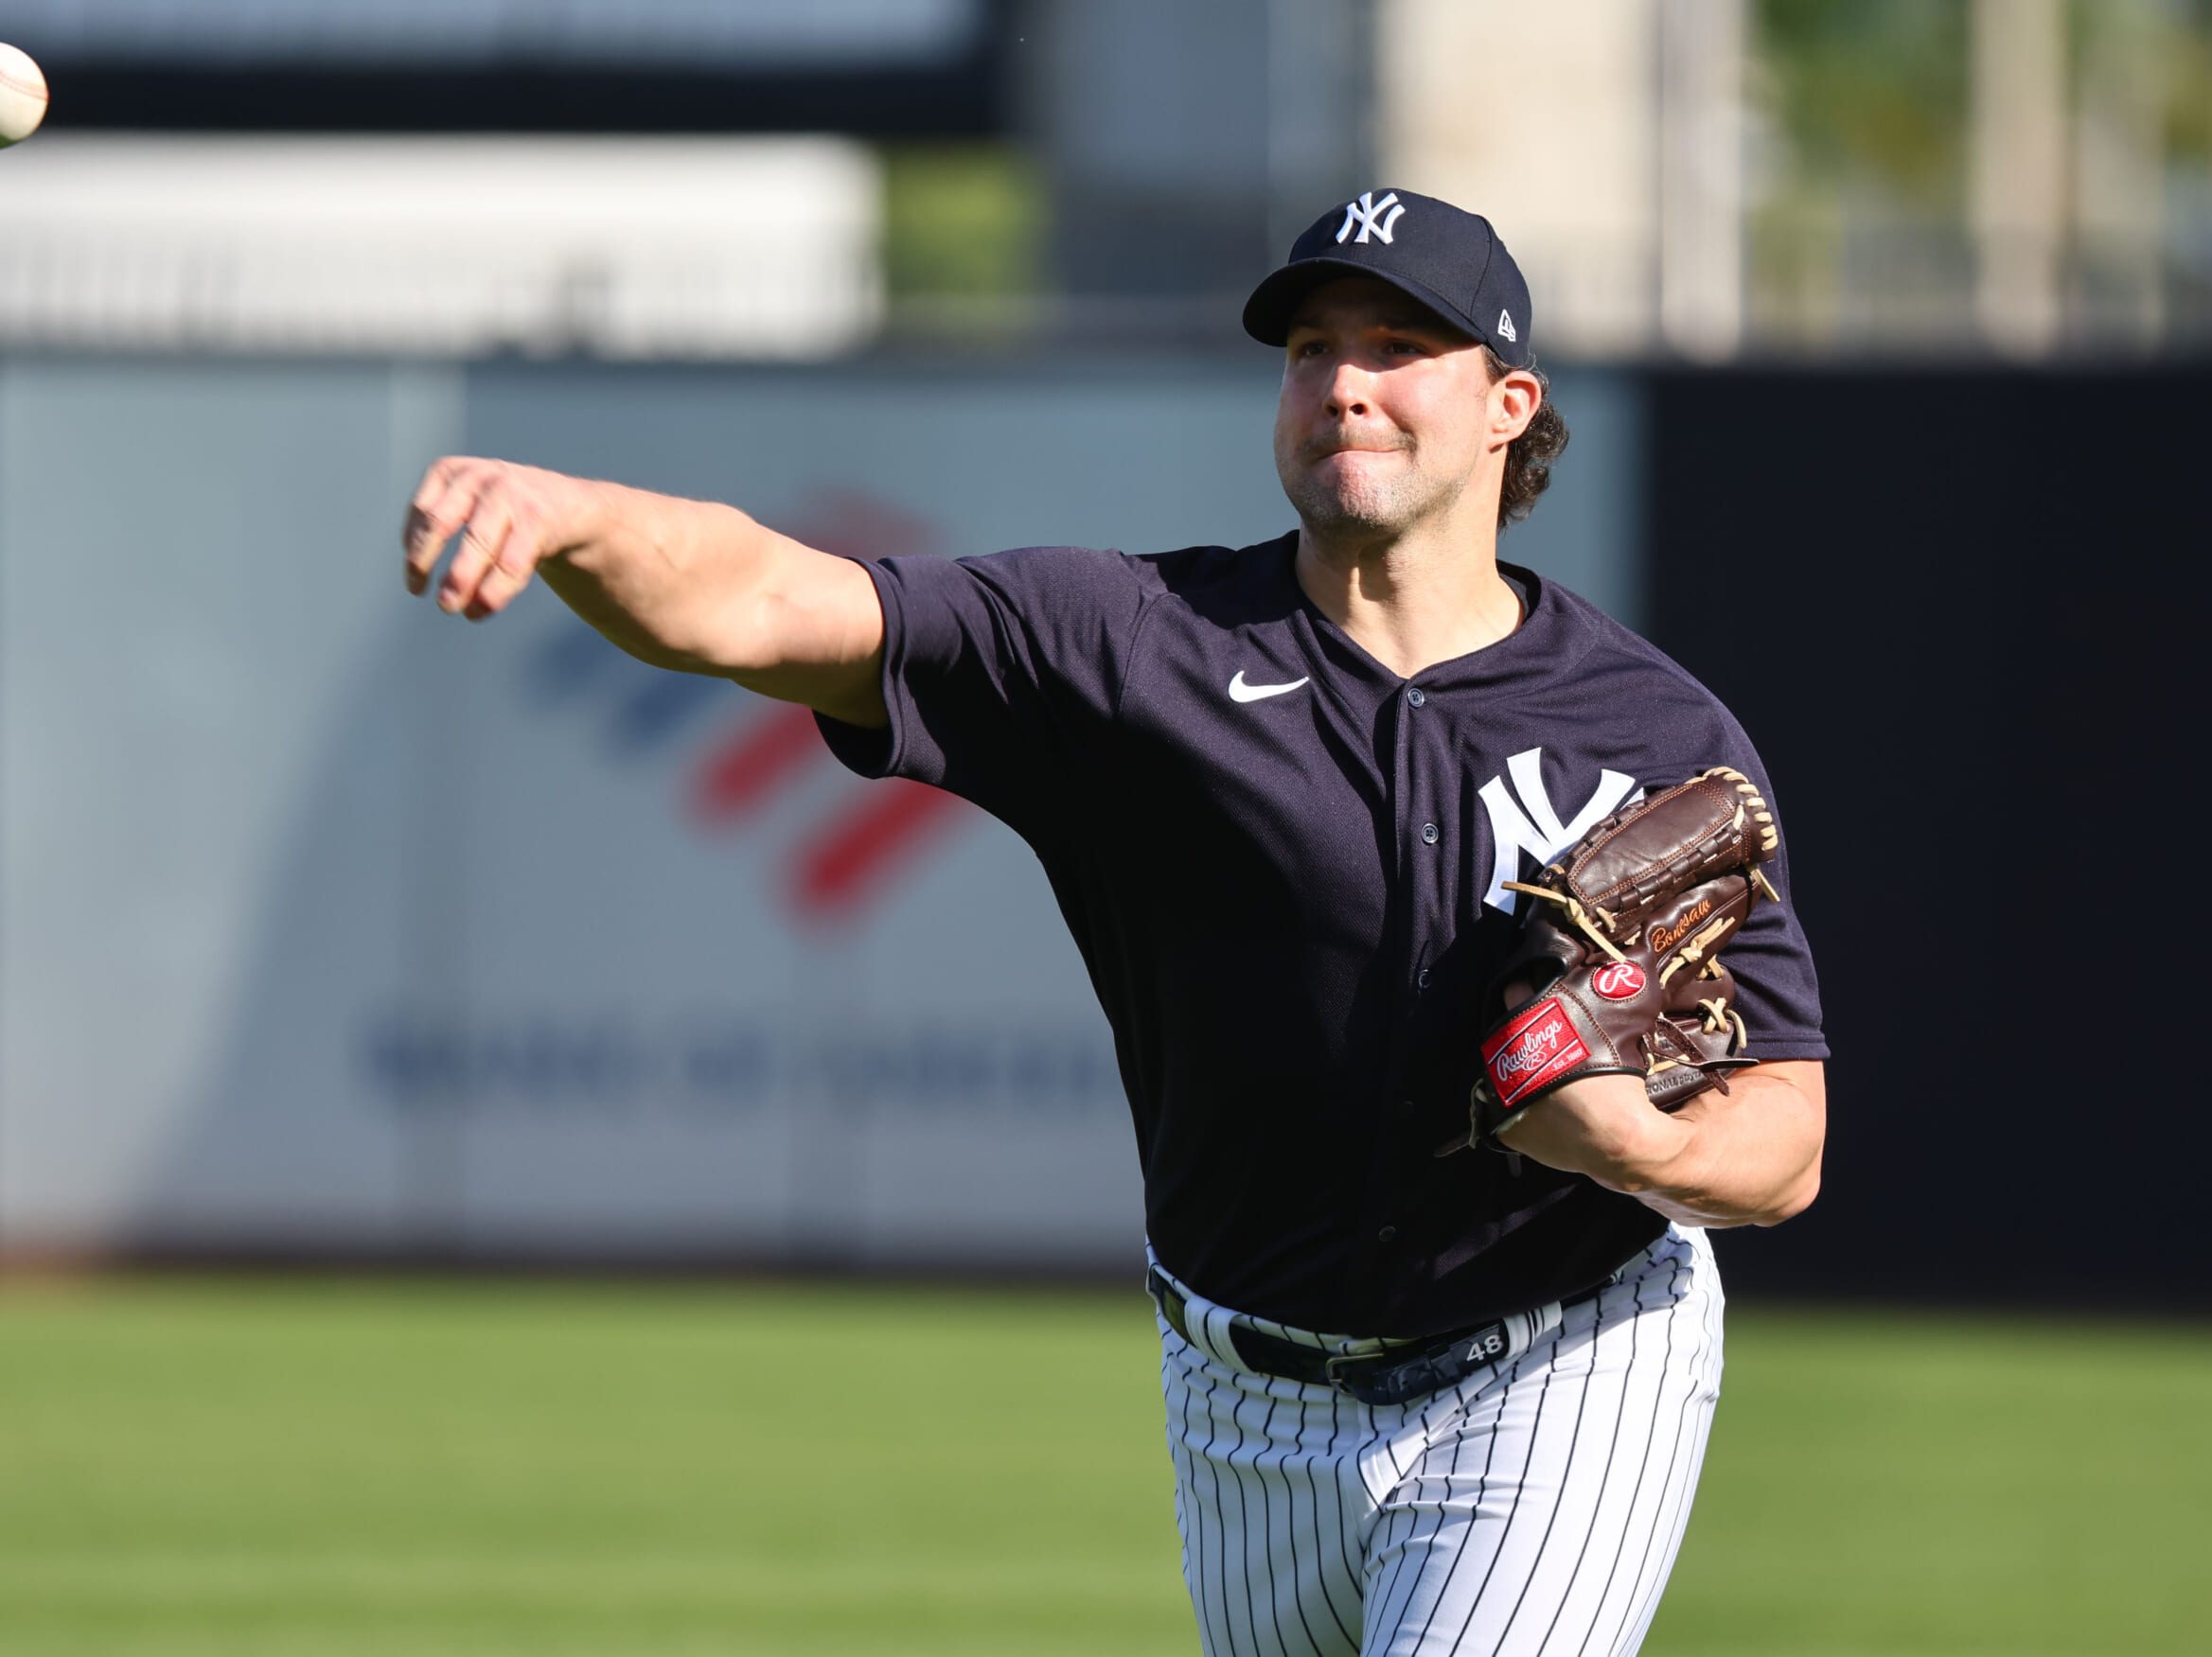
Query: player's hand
(1591, 1126)
(510, 520)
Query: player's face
(1384, 411)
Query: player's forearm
(1750, 1156)
(678, 583)
(684, 584)
(692, 585)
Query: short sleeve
(1778, 991)
(1002, 674)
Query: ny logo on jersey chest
(1531, 823)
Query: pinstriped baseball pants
(1534, 1507)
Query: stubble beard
(1361, 511)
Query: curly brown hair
(1528, 457)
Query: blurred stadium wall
(328, 929)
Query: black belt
(1391, 1377)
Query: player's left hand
(1600, 1125)
(1618, 970)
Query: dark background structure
(1960, 612)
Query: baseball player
(1291, 797)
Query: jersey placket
(1420, 786)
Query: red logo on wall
(1619, 981)
(889, 823)
(868, 835)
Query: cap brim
(1276, 300)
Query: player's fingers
(442, 503)
(481, 539)
(511, 568)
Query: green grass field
(453, 1469)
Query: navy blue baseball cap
(1450, 261)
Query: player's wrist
(1643, 1150)
(592, 514)
(1602, 1126)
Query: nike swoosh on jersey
(1241, 692)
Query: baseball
(22, 96)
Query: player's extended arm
(1750, 1156)
(689, 585)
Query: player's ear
(1514, 398)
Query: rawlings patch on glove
(1619, 950)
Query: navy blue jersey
(1284, 865)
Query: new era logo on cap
(1451, 260)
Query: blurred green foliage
(2185, 56)
(1859, 220)
(1873, 89)
(1879, 90)
(962, 221)
(461, 1470)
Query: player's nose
(1349, 390)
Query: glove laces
(1575, 912)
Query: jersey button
(1387, 1234)
(1420, 979)
(1414, 697)
(1431, 834)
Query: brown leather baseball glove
(1619, 952)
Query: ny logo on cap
(1370, 216)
